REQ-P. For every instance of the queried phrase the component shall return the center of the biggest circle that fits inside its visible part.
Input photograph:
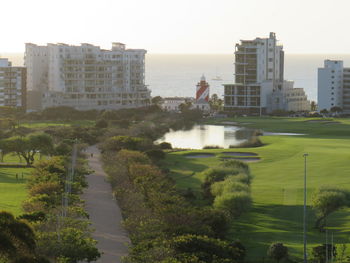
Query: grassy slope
(277, 187)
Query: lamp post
(304, 221)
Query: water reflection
(205, 135)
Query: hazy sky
(177, 26)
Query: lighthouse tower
(202, 92)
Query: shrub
(165, 146)
(212, 147)
(155, 154)
(102, 123)
(129, 157)
(213, 175)
(235, 203)
(63, 149)
(253, 142)
(319, 252)
(205, 249)
(277, 251)
(118, 143)
(229, 185)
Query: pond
(206, 135)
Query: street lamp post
(304, 221)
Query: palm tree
(16, 238)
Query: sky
(177, 26)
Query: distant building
(289, 99)
(12, 85)
(333, 86)
(173, 103)
(86, 76)
(259, 72)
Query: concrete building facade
(86, 76)
(259, 72)
(333, 87)
(12, 85)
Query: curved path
(104, 212)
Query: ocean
(177, 75)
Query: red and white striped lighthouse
(202, 92)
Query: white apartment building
(333, 86)
(259, 72)
(86, 76)
(173, 103)
(12, 85)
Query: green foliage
(319, 253)
(155, 154)
(63, 148)
(205, 249)
(73, 245)
(118, 143)
(215, 103)
(29, 146)
(327, 200)
(235, 203)
(101, 124)
(17, 238)
(165, 146)
(33, 217)
(228, 187)
(277, 251)
(156, 100)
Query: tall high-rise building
(333, 86)
(86, 76)
(259, 60)
(12, 85)
(259, 72)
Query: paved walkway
(104, 213)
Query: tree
(313, 106)
(319, 252)
(16, 238)
(184, 107)
(156, 100)
(215, 103)
(324, 111)
(102, 123)
(326, 201)
(28, 147)
(205, 249)
(74, 245)
(277, 251)
(336, 109)
(165, 145)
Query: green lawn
(12, 187)
(277, 187)
(12, 190)
(44, 124)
